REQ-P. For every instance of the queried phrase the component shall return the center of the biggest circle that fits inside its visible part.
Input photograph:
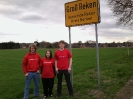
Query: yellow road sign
(81, 12)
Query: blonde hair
(32, 45)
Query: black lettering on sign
(82, 19)
(88, 18)
(89, 13)
(75, 20)
(74, 16)
(85, 19)
(80, 15)
(81, 6)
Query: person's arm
(40, 64)
(55, 62)
(56, 69)
(24, 65)
(70, 64)
(41, 68)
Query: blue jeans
(36, 79)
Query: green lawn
(115, 69)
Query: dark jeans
(67, 78)
(48, 84)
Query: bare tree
(123, 9)
(79, 43)
(130, 43)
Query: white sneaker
(44, 97)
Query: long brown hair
(50, 54)
(32, 45)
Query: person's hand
(38, 71)
(56, 69)
(26, 74)
(69, 70)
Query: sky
(25, 21)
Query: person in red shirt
(48, 74)
(63, 62)
(30, 66)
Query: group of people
(48, 68)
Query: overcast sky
(44, 20)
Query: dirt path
(127, 91)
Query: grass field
(116, 68)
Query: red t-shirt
(31, 62)
(47, 68)
(62, 57)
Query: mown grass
(115, 69)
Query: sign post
(97, 54)
(83, 12)
(70, 47)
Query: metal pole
(127, 49)
(70, 47)
(97, 54)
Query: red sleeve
(55, 57)
(53, 62)
(41, 66)
(69, 54)
(24, 64)
(40, 60)
(41, 63)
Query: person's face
(48, 54)
(61, 45)
(32, 49)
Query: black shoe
(58, 96)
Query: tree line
(79, 44)
(9, 45)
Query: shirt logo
(62, 56)
(33, 59)
(47, 62)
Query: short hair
(50, 54)
(62, 41)
(32, 45)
